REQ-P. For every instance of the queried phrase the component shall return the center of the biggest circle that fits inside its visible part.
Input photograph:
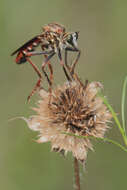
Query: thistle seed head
(71, 108)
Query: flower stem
(76, 173)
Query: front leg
(34, 53)
(62, 64)
(72, 68)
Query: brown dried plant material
(72, 109)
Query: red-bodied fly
(53, 40)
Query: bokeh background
(24, 164)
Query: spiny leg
(62, 64)
(66, 63)
(72, 68)
(49, 53)
(26, 56)
(34, 53)
(51, 72)
(45, 53)
(43, 69)
(29, 54)
(51, 76)
(75, 62)
(38, 82)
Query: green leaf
(115, 119)
(98, 138)
(123, 104)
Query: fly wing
(34, 42)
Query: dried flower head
(72, 109)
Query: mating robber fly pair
(53, 40)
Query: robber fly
(53, 40)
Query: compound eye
(75, 35)
(70, 39)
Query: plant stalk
(76, 173)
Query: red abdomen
(20, 58)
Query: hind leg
(38, 82)
(28, 55)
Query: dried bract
(73, 109)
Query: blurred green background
(24, 164)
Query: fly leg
(63, 65)
(71, 68)
(51, 72)
(38, 82)
(36, 70)
(43, 67)
(50, 78)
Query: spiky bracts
(73, 109)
